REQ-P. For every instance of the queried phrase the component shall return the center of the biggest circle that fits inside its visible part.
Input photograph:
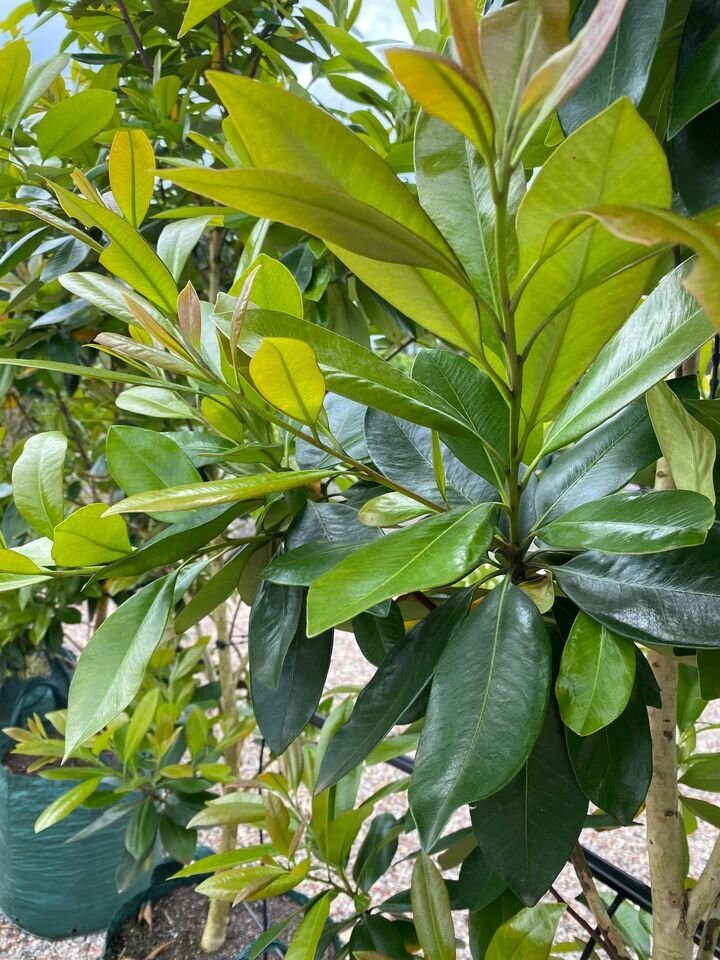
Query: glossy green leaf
(155, 401)
(404, 452)
(614, 765)
(273, 286)
(218, 588)
(274, 620)
(634, 523)
(669, 597)
(240, 884)
(390, 510)
(686, 444)
(624, 67)
(87, 538)
(478, 884)
(223, 861)
(354, 372)
(376, 636)
(70, 122)
(178, 240)
(37, 80)
(473, 394)
(399, 680)
(528, 829)
(235, 807)
(529, 935)
(104, 293)
(698, 85)
(431, 910)
(599, 464)
(141, 460)
(486, 708)
(287, 375)
(38, 481)
(306, 938)
(430, 553)
(453, 188)
(66, 803)
(115, 659)
(232, 490)
(596, 677)
(377, 850)
(127, 256)
(14, 64)
(664, 330)
(131, 165)
(614, 158)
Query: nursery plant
(521, 529)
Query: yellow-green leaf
(687, 445)
(197, 11)
(613, 158)
(131, 166)
(306, 938)
(273, 286)
(233, 490)
(287, 375)
(69, 123)
(37, 479)
(13, 562)
(88, 538)
(64, 805)
(445, 91)
(127, 256)
(14, 63)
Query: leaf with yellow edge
(127, 256)
(287, 374)
(131, 165)
(14, 63)
(13, 562)
(444, 91)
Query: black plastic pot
(50, 887)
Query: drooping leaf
(66, 803)
(37, 478)
(428, 554)
(377, 850)
(376, 636)
(475, 740)
(115, 659)
(599, 464)
(528, 829)
(664, 330)
(698, 85)
(624, 67)
(399, 680)
(529, 935)
(632, 523)
(478, 884)
(87, 538)
(282, 712)
(614, 158)
(596, 677)
(431, 910)
(70, 122)
(686, 444)
(287, 375)
(614, 765)
(668, 598)
(274, 619)
(131, 164)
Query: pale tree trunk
(215, 930)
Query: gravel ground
(625, 847)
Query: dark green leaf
(376, 636)
(486, 708)
(274, 619)
(478, 884)
(667, 597)
(377, 850)
(527, 831)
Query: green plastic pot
(21, 698)
(49, 887)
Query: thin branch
(221, 40)
(581, 921)
(605, 925)
(140, 49)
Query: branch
(140, 49)
(582, 922)
(704, 896)
(605, 925)
(709, 940)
